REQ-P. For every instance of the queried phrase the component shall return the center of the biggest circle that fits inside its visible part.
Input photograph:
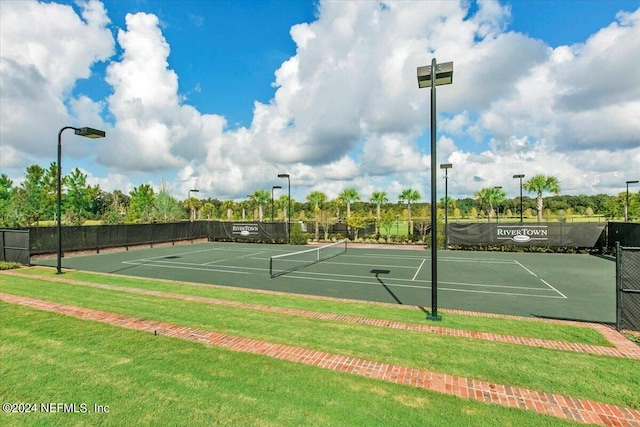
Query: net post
(271, 267)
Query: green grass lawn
(149, 380)
(521, 328)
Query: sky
(222, 96)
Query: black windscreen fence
(14, 246)
(81, 238)
(627, 233)
(628, 286)
(517, 234)
(43, 240)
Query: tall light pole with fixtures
(272, 207)
(432, 76)
(87, 133)
(446, 167)
(520, 175)
(191, 210)
(286, 175)
(626, 206)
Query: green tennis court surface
(578, 287)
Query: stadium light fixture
(286, 175)
(521, 175)
(626, 206)
(432, 76)
(272, 206)
(446, 167)
(191, 210)
(87, 133)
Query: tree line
(34, 201)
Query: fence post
(618, 287)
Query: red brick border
(623, 347)
(580, 410)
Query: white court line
(174, 255)
(188, 268)
(530, 272)
(298, 274)
(160, 263)
(418, 271)
(445, 259)
(563, 295)
(395, 285)
(369, 265)
(542, 280)
(227, 259)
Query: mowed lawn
(155, 380)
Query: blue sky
(223, 95)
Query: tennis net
(286, 263)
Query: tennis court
(578, 287)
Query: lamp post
(446, 167)
(521, 175)
(432, 76)
(286, 175)
(626, 206)
(87, 133)
(272, 207)
(191, 210)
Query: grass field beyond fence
(154, 380)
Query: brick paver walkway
(623, 347)
(580, 410)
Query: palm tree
(491, 197)
(378, 197)
(260, 198)
(410, 196)
(228, 205)
(539, 184)
(283, 201)
(349, 195)
(317, 198)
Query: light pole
(432, 76)
(272, 207)
(521, 175)
(446, 167)
(626, 206)
(286, 175)
(191, 210)
(87, 133)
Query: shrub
(8, 265)
(298, 237)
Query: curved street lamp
(432, 76)
(87, 133)
(446, 167)
(272, 207)
(626, 206)
(286, 175)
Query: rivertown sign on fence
(522, 234)
(244, 230)
(551, 234)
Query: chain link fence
(628, 287)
